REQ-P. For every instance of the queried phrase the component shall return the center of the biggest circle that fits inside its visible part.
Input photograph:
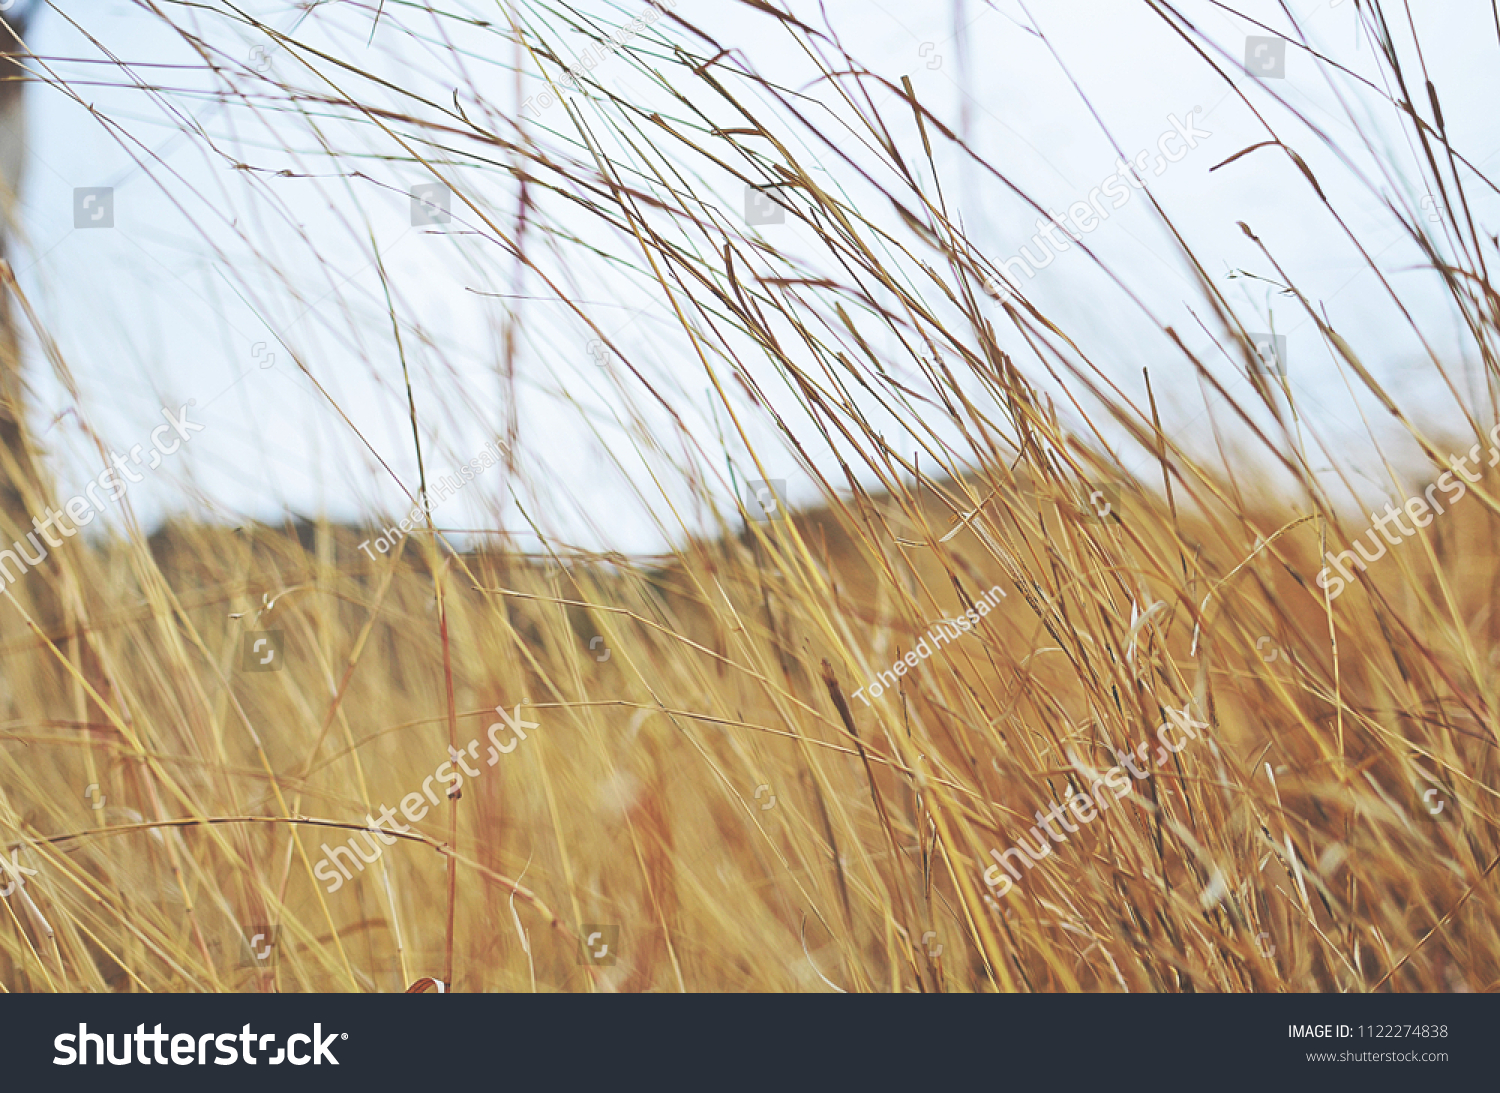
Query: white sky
(211, 269)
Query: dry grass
(711, 788)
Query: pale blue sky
(209, 271)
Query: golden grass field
(634, 802)
(701, 788)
